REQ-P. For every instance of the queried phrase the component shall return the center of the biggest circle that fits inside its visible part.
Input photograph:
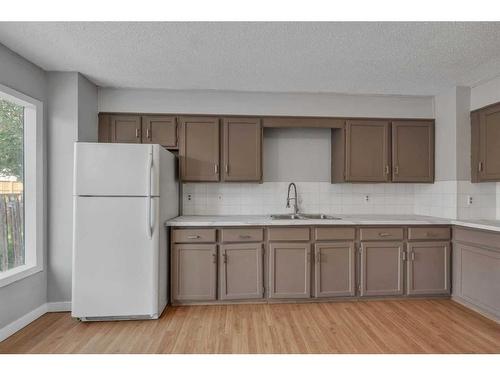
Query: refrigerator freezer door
(115, 262)
(106, 169)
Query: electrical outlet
(189, 197)
(469, 200)
(367, 198)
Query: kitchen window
(21, 186)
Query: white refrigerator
(123, 194)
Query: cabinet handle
(227, 168)
(386, 169)
(224, 256)
(384, 234)
(480, 167)
(396, 170)
(412, 256)
(404, 255)
(318, 257)
(193, 237)
(148, 135)
(216, 168)
(245, 236)
(137, 133)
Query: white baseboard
(59, 306)
(477, 309)
(22, 322)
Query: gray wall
(62, 132)
(485, 94)
(23, 296)
(72, 116)
(297, 155)
(453, 134)
(227, 102)
(87, 110)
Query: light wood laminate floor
(397, 326)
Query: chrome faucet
(295, 201)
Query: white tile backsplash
(447, 199)
(484, 200)
(438, 199)
(270, 197)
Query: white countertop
(265, 220)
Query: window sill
(18, 273)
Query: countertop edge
(191, 221)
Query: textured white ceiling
(384, 58)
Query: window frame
(34, 174)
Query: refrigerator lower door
(115, 258)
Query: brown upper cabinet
(199, 149)
(412, 151)
(485, 136)
(367, 151)
(383, 151)
(160, 130)
(242, 149)
(125, 129)
(138, 129)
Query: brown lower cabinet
(194, 272)
(334, 269)
(476, 270)
(289, 270)
(382, 268)
(245, 263)
(428, 268)
(241, 271)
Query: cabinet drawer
(321, 234)
(193, 235)
(374, 234)
(429, 233)
(289, 234)
(243, 235)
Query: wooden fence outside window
(11, 231)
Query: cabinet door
(381, 268)
(199, 149)
(334, 269)
(428, 268)
(240, 271)
(289, 270)
(194, 272)
(160, 130)
(125, 129)
(476, 273)
(489, 144)
(242, 149)
(367, 151)
(413, 151)
(104, 128)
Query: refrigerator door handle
(150, 175)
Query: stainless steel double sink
(301, 216)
